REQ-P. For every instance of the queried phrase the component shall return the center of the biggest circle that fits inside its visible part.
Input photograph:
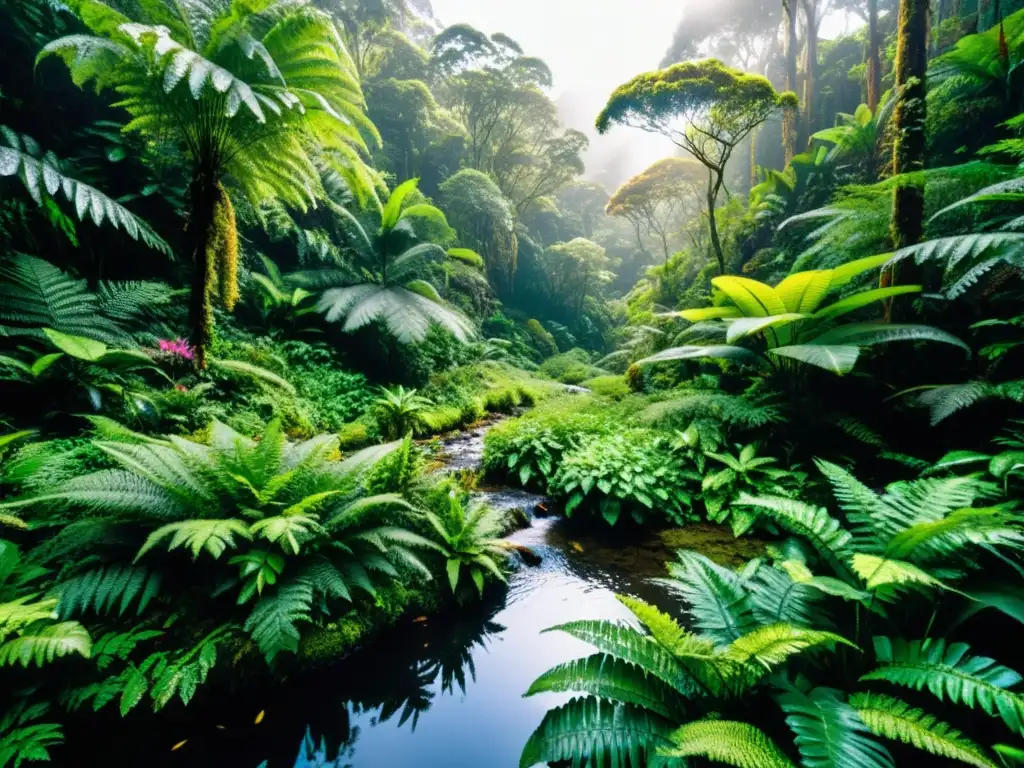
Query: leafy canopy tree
(658, 198)
(259, 95)
(385, 285)
(575, 270)
(486, 223)
(703, 107)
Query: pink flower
(178, 347)
(181, 387)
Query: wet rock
(526, 554)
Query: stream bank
(436, 690)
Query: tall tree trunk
(715, 181)
(811, 68)
(874, 73)
(790, 117)
(204, 193)
(753, 160)
(909, 120)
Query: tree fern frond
(949, 672)
(43, 175)
(737, 744)
(891, 718)
(248, 370)
(589, 731)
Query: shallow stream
(438, 691)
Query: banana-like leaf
(844, 274)
(868, 334)
(862, 299)
(705, 313)
(393, 208)
(804, 291)
(717, 351)
(747, 326)
(754, 298)
(837, 358)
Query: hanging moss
(222, 251)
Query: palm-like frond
(891, 718)
(948, 672)
(42, 174)
(407, 315)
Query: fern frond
(611, 679)
(737, 744)
(949, 672)
(101, 589)
(594, 732)
(254, 372)
(891, 718)
(830, 733)
(42, 643)
(772, 645)
(273, 620)
(214, 536)
(42, 174)
(719, 604)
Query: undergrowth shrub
(571, 367)
(632, 472)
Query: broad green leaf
(78, 347)
(862, 299)
(754, 298)
(837, 358)
(747, 326)
(804, 291)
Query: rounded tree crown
(688, 88)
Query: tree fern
(42, 174)
(594, 732)
(948, 672)
(102, 589)
(891, 718)
(737, 744)
(829, 732)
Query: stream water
(438, 691)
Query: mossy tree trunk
(909, 121)
(874, 58)
(789, 119)
(203, 196)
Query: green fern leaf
(830, 733)
(719, 604)
(949, 672)
(273, 620)
(594, 732)
(44, 643)
(772, 645)
(214, 536)
(891, 718)
(101, 589)
(737, 744)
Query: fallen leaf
(576, 545)
(419, 619)
(259, 717)
(179, 745)
(221, 728)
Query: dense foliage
(257, 255)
